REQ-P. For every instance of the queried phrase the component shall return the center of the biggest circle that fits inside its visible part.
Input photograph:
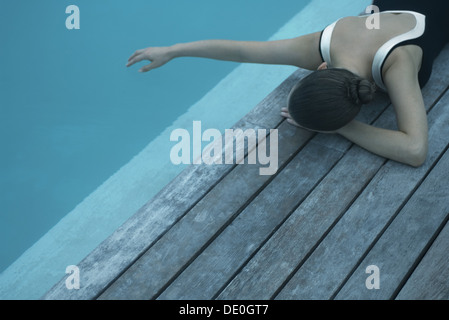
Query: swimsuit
(422, 35)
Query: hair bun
(361, 91)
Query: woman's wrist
(174, 51)
(346, 128)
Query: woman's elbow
(417, 154)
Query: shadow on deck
(311, 231)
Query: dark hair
(327, 100)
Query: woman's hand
(286, 114)
(157, 55)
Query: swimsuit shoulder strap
(383, 52)
(325, 43)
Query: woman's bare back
(354, 45)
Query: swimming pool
(82, 134)
(72, 115)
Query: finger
(136, 53)
(135, 60)
(284, 109)
(284, 114)
(292, 122)
(322, 66)
(147, 68)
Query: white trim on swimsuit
(383, 51)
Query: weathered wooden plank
(216, 264)
(278, 258)
(332, 261)
(438, 81)
(138, 233)
(270, 267)
(405, 239)
(188, 236)
(120, 249)
(148, 275)
(337, 143)
(430, 280)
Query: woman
(352, 61)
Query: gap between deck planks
(169, 264)
(430, 279)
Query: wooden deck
(308, 232)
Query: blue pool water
(72, 114)
(85, 141)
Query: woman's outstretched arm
(302, 52)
